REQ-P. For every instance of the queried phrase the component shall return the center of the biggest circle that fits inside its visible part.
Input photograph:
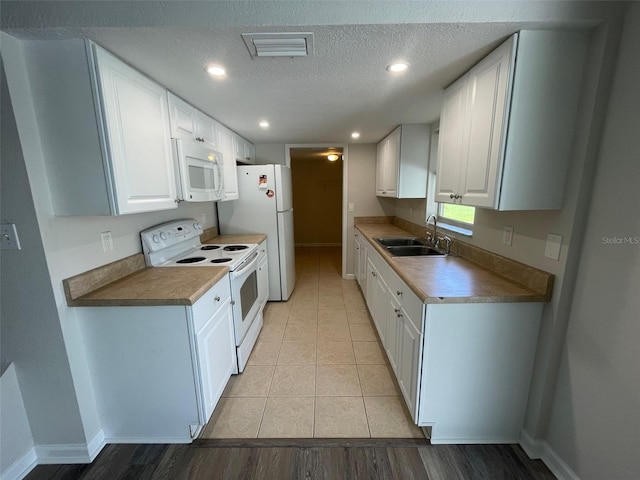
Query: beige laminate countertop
(450, 279)
(128, 282)
(240, 238)
(155, 286)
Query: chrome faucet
(434, 238)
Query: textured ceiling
(342, 88)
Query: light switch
(9, 237)
(552, 250)
(352, 207)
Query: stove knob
(197, 226)
(155, 238)
(163, 235)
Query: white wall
(270, 153)
(596, 407)
(60, 405)
(17, 455)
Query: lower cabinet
(158, 371)
(463, 369)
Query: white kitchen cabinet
(463, 369)
(244, 151)
(402, 162)
(263, 274)
(158, 371)
(506, 127)
(360, 257)
(215, 343)
(476, 370)
(189, 123)
(104, 131)
(230, 172)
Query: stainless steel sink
(396, 242)
(414, 251)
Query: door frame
(345, 170)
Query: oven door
(244, 294)
(199, 171)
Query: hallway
(318, 369)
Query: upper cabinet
(402, 162)
(230, 172)
(506, 126)
(189, 123)
(104, 129)
(244, 151)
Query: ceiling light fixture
(263, 124)
(355, 135)
(333, 157)
(216, 71)
(397, 67)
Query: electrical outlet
(107, 241)
(507, 235)
(552, 250)
(203, 219)
(9, 237)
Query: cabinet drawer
(210, 302)
(408, 300)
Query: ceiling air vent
(270, 45)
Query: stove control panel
(169, 234)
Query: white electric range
(177, 244)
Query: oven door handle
(247, 262)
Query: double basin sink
(409, 247)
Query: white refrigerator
(265, 205)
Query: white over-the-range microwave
(198, 172)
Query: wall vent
(283, 44)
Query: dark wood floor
(335, 460)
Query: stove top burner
(191, 260)
(221, 260)
(235, 248)
(209, 247)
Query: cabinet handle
(233, 302)
(217, 299)
(373, 274)
(452, 196)
(458, 196)
(399, 293)
(396, 310)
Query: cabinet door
(239, 150)
(263, 274)
(394, 326)
(206, 130)
(225, 146)
(136, 117)
(408, 361)
(370, 288)
(357, 246)
(487, 111)
(392, 164)
(381, 154)
(250, 151)
(182, 117)
(450, 151)
(216, 356)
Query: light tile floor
(318, 368)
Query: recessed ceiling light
(333, 157)
(397, 67)
(263, 124)
(355, 135)
(216, 70)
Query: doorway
(319, 177)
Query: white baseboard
(350, 276)
(71, 453)
(539, 449)
(21, 467)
